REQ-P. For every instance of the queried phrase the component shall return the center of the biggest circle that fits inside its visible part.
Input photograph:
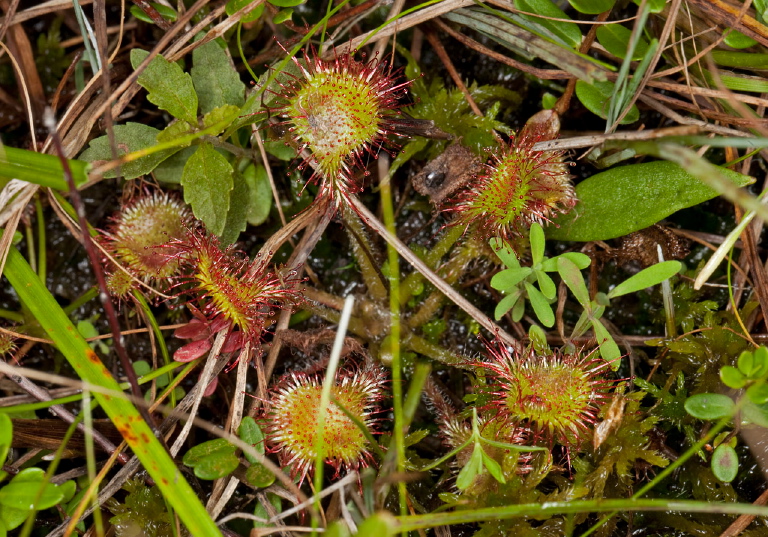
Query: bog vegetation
(377, 268)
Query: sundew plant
(483, 268)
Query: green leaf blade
(121, 411)
(629, 198)
(170, 88)
(710, 406)
(215, 78)
(207, 181)
(129, 138)
(647, 277)
(725, 463)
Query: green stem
(362, 248)
(451, 272)
(89, 295)
(13, 316)
(415, 279)
(435, 352)
(394, 336)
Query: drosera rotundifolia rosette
(557, 395)
(291, 418)
(227, 292)
(338, 112)
(139, 237)
(519, 186)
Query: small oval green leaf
(568, 32)
(258, 476)
(505, 253)
(283, 15)
(207, 449)
(286, 3)
(738, 40)
(710, 406)
(250, 433)
(27, 495)
(725, 463)
(732, 377)
(507, 303)
(233, 6)
(6, 435)
(592, 7)
(615, 39)
(596, 97)
(216, 466)
(758, 393)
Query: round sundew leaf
(615, 39)
(710, 406)
(732, 377)
(629, 198)
(725, 463)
